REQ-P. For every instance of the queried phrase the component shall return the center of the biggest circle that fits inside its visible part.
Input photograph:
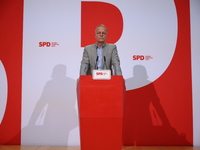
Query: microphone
(105, 62)
(96, 62)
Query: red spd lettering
(99, 73)
(44, 44)
(138, 57)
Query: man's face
(101, 34)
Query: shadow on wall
(54, 115)
(145, 121)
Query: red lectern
(100, 105)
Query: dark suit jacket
(88, 62)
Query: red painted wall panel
(11, 56)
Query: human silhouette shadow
(145, 121)
(54, 115)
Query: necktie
(99, 62)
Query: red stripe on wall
(11, 56)
(161, 112)
(179, 73)
(175, 85)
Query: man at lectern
(101, 55)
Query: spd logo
(101, 73)
(48, 44)
(142, 57)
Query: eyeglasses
(103, 33)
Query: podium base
(101, 133)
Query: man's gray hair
(101, 25)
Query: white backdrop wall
(52, 21)
(195, 37)
(49, 72)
